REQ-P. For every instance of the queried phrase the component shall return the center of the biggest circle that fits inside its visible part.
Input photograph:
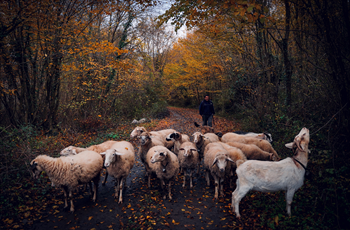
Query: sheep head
(301, 141)
(221, 162)
(137, 131)
(173, 136)
(159, 156)
(145, 138)
(111, 156)
(36, 169)
(188, 151)
(70, 150)
(198, 137)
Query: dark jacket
(206, 108)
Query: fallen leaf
(90, 217)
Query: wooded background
(273, 65)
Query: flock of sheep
(250, 156)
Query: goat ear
(229, 159)
(290, 145)
(215, 161)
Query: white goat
(265, 176)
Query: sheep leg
(191, 184)
(198, 168)
(289, 199)
(116, 188)
(149, 180)
(65, 191)
(169, 189)
(216, 179)
(185, 173)
(105, 179)
(96, 180)
(221, 187)
(207, 177)
(90, 188)
(71, 201)
(121, 191)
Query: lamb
(253, 152)
(189, 159)
(147, 142)
(265, 176)
(69, 172)
(165, 164)
(262, 144)
(119, 160)
(162, 134)
(178, 139)
(263, 136)
(72, 150)
(215, 161)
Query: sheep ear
(229, 159)
(177, 135)
(33, 166)
(193, 149)
(182, 149)
(117, 153)
(74, 151)
(215, 161)
(161, 154)
(290, 145)
(104, 153)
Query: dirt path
(144, 208)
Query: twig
(329, 120)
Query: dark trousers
(207, 120)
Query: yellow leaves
(90, 217)
(175, 223)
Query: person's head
(206, 97)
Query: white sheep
(235, 154)
(69, 172)
(178, 139)
(161, 134)
(189, 159)
(216, 160)
(164, 164)
(119, 160)
(266, 176)
(262, 136)
(253, 152)
(147, 142)
(72, 150)
(262, 144)
(202, 140)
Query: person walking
(206, 110)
